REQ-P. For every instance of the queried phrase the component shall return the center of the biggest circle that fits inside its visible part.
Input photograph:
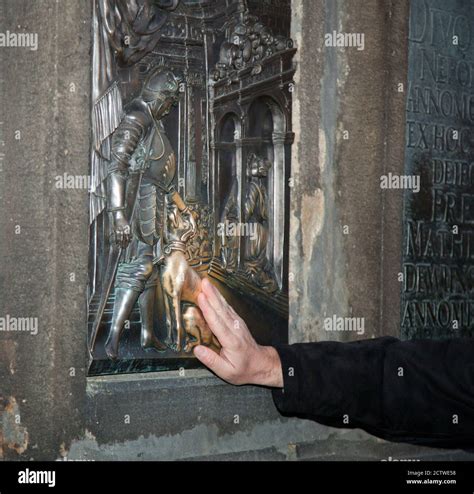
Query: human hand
(241, 359)
(122, 230)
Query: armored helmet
(161, 84)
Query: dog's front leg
(176, 301)
(169, 321)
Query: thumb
(212, 360)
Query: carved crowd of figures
(249, 43)
(256, 265)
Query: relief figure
(257, 267)
(140, 146)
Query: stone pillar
(349, 125)
(45, 110)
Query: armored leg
(125, 299)
(130, 283)
(146, 303)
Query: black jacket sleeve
(412, 391)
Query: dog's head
(178, 227)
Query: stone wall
(345, 229)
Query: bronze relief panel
(190, 162)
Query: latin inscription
(438, 249)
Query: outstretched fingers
(215, 321)
(218, 302)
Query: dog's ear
(173, 214)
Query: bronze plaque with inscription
(438, 246)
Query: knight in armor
(140, 144)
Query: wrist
(270, 373)
(119, 215)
